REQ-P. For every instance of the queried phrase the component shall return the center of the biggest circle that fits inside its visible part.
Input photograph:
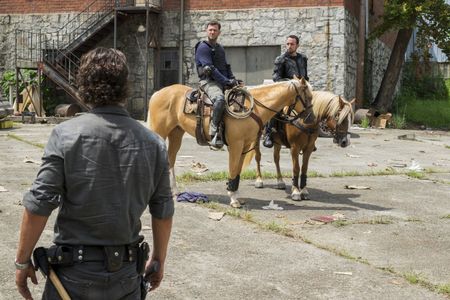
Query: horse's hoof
(281, 185)
(235, 204)
(296, 197)
(304, 196)
(241, 201)
(259, 184)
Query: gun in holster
(141, 260)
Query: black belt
(69, 254)
(97, 253)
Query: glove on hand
(231, 83)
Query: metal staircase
(57, 54)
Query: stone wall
(129, 40)
(322, 33)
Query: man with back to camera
(287, 65)
(101, 170)
(215, 76)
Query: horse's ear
(341, 102)
(303, 81)
(353, 101)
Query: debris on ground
(2, 189)
(273, 206)
(407, 137)
(357, 187)
(31, 161)
(192, 197)
(217, 216)
(324, 219)
(415, 166)
(372, 164)
(198, 167)
(399, 165)
(343, 273)
(352, 155)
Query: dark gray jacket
(287, 66)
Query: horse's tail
(248, 159)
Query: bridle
(287, 117)
(338, 134)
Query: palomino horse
(166, 117)
(338, 115)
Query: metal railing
(56, 48)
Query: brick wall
(39, 6)
(245, 4)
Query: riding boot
(214, 132)
(268, 139)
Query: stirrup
(216, 142)
(268, 143)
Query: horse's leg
(258, 182)
(235, 160)
(276, 158)
(175, 137)
(304, 194)
(295, 151)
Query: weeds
(233, 212)
(412, 277)
(398, 121)
(415, 174)
(413, 219)
(211, 205)
(365, 122)
(340, 223)
(444, 289)
(16, 137)
(277, 228)
(378, 220)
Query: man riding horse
(289, 64)
(215, 76)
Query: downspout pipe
(181, 44)
(359, 93)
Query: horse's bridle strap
(307, 130)
(259, 121)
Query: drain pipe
(359, 93)
(181, 44)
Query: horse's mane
(264, 85)
(326, 104)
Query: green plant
(9, 79)
(415, 174)
(423, 99)
(365, 122)
(444, 289)
(398, 121)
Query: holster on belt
(142, 257)
(114, 257)
(60, 255)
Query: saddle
(198, 103)
(280, 130)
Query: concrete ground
(395, 229)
